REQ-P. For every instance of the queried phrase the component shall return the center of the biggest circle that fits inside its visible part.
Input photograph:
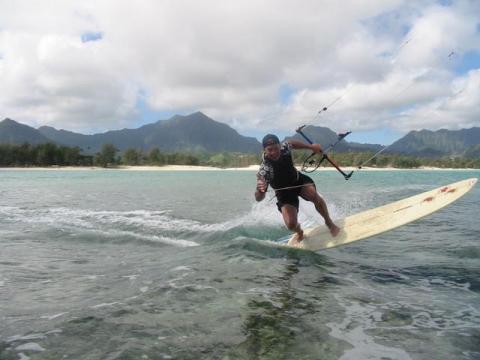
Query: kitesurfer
(277, 170)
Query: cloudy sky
(380, 67)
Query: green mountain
(194, 132)
(199, 132)
(472, 151)
(438, 143)
(12, 132)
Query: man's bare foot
(298, 236)
(334, 229)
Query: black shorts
(290, 196)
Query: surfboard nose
(384, 218)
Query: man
(277, 170)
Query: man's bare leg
(310, 193)
(290, 217)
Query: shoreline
(211, 168)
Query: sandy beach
(211, 168)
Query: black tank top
(282, 172)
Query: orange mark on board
(451, 190)
(430, 198)
(444, 189)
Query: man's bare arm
(296, 144)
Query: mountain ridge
(437, 143)
(198, 132)
(14, 132)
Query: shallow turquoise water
(128, 265)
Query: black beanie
(270, 139)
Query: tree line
(50, 154)
(47, 154)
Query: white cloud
(387, 60)
(458, 109)
(58, 80)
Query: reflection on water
(278, 320)
(271, 325)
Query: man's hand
(261, 185)
(261, 189)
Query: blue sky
(468, 61)
(91, 36)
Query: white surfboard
(384, 218)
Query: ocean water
(114, 264)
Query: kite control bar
(311, 164)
